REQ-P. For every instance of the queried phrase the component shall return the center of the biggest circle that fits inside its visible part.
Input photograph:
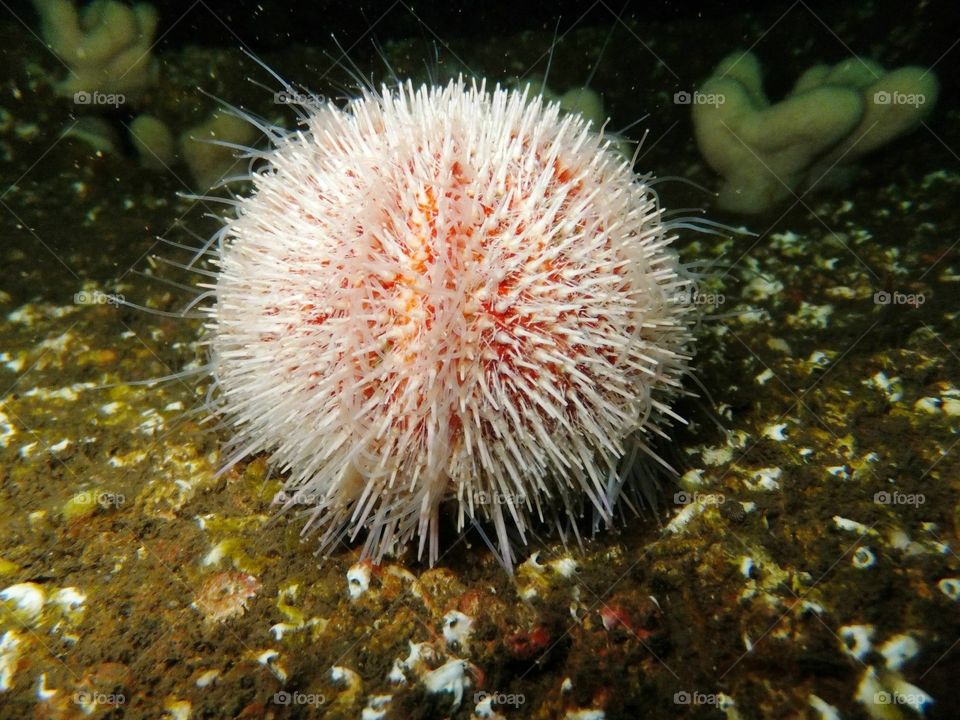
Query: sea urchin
(446, 293)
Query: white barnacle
(449, 677)
(456, 628)
(27, 600)
(358, 580)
